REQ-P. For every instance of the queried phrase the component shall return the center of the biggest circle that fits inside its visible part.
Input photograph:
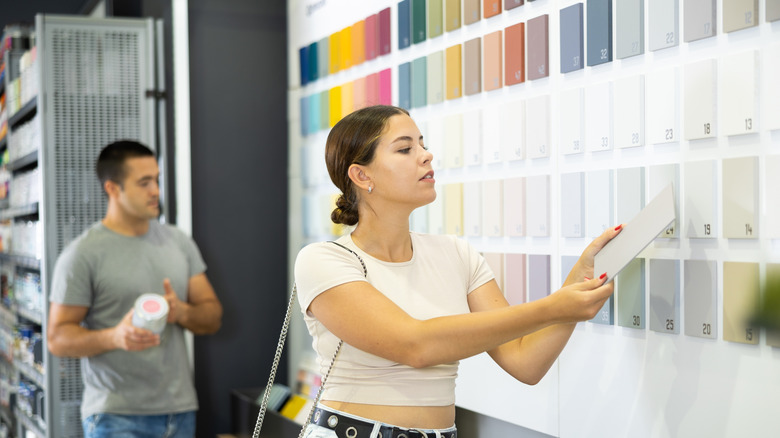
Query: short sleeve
(194, 258)
(478, 268)
(71, 279)
(322, 266)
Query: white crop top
(435, 282)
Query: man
(136, 383)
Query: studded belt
(348, 427)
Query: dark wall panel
(238, 96)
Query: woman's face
(401, 170)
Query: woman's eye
(405, 150)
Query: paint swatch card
(700, 99)
(515, 278)
(571, 113)
(630, 28)
(537, 133)
(492, 208)
(435, 18)
(739, 14)
(739, 92)
(630, 292)
(514, 54)
(384, 31)
(699, 19)
(512, 134)
(435, 78)
(572, 42)
(740, 300)
(453, 77)
(418, 21)
(538, 47)
(471, 11)
(700, 292)
(740, 198)
(511, 4)
(472, 66)
(637, 234)
(451, 15)
(514, 207)
(701, 199)
(664, 22)
(664, 284)
(491, 8)
(599, 17)
(492, 61)
(404, 24)
(629, 106)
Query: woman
(408, 306)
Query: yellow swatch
(453, 209)
(346, 48)
(334, 55)
(334, 97)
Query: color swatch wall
(550, 121)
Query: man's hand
(131, 338)
(175, 306)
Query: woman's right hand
(582, 301)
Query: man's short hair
(111, 161)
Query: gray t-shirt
(107, 272)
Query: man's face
(139, 195)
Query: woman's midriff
(420, 417)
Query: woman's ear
(358, 176)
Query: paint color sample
(700, 99)
(514, 207)
(451, 15)
(436, 216)
(453, 141)
(538, 276)
(629, 101)
(537, 133)
(418, 21)
(325, 109)
(346, 48)
(404, 24)
(739, 14)
(572, 204)
(472, 66)
(359, 42)
(538, 47)
(491, 8)
(315, 106)
(372, 89)
(347, 98)
(740, 198)
(630, 193)
(630, 291)
(323, 57)
(630, 28)
(701, 200)
(515, 275)
(334, 99)
(537, 205)
(359, 86)
(514, 54)
(572, 42)
(496, 263)
(471, 11)
(770, 89)
(599, 17)
(606, 315)
(491, 134)
(772, 173)
(567, 264)
(740, 299)
(419, 82)
(739, 93)
(492, 208)
(599, 201)
(664, 23)
(405, 85)
(598, 117)
(435, 18)
(660, 177)
(453, 209)
(664, 291)
(472, 208)
(699, 20)
(304, 106)
(492, 61)
(472, 137)
(454, 78)
(384, 31)
(303, 58)
(772, 11)
(511, 4)
(435, 78)
(513, 130)
(662, 97)
(571, 112)
(385, 87)
(372, 37)
(334, 43)
(700, 291)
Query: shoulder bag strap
(278, 356)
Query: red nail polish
(617, 228)
(587, 279)
(603, 276)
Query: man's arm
(201, 313)
(66, 337)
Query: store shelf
(15, 212)
(31, 373)
(3, 142)
(31, 424)
(21, 260)
(7, 317)
(24, 112)
(6, 416)
(3, 204)
(30, 315)
(24, 161)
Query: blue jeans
(140, 426)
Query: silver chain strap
(278, 357)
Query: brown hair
(353, 140)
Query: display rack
(84, 85)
